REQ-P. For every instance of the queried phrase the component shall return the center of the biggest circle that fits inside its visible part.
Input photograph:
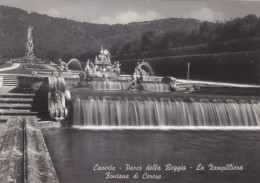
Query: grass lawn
(5, 65)
(22, 70)
(17, 71)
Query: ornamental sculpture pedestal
(56, 98)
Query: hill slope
(61, 38)
(220, 51)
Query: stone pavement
(24, 156)
(6, 89)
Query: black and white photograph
(129, 91)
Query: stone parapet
(24, 156)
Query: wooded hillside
(61, 38)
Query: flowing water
(123, 85)
(153, 110)
(77, 152)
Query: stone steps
(25, 106)
(7, 112)
(10, 81)
(17, 95)
(16, 106)
(20, 104)
(15, 100)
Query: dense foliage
(61, 38)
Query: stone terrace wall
(24, 156)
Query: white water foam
(168, 128)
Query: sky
(126, 11)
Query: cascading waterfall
(167, 111)
(158, 87)
(109, 85)
(123, 85)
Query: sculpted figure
(118, 67)
(137, 69)
(133, 82)
(136, 82)
(173, 85)
(89, 67)
(61, 67)
(96, 60)
(101, 55)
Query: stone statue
(118, 68)
(29, 57)
(101, 55)
(96, 60)
(136, 81)
(56, 98)
(173, 85)
(139, 70)
(104, 56)
(175, 88)
(61, 67)
(132, 81)
(85, 79)
(88, 69)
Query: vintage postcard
(147, 91)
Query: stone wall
(24, 156)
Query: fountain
(146, 66)
(104, 97)
(74, 64)
(160, 110)
(101, 96)
(102, 74)
(131, 109)
(29, 57)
